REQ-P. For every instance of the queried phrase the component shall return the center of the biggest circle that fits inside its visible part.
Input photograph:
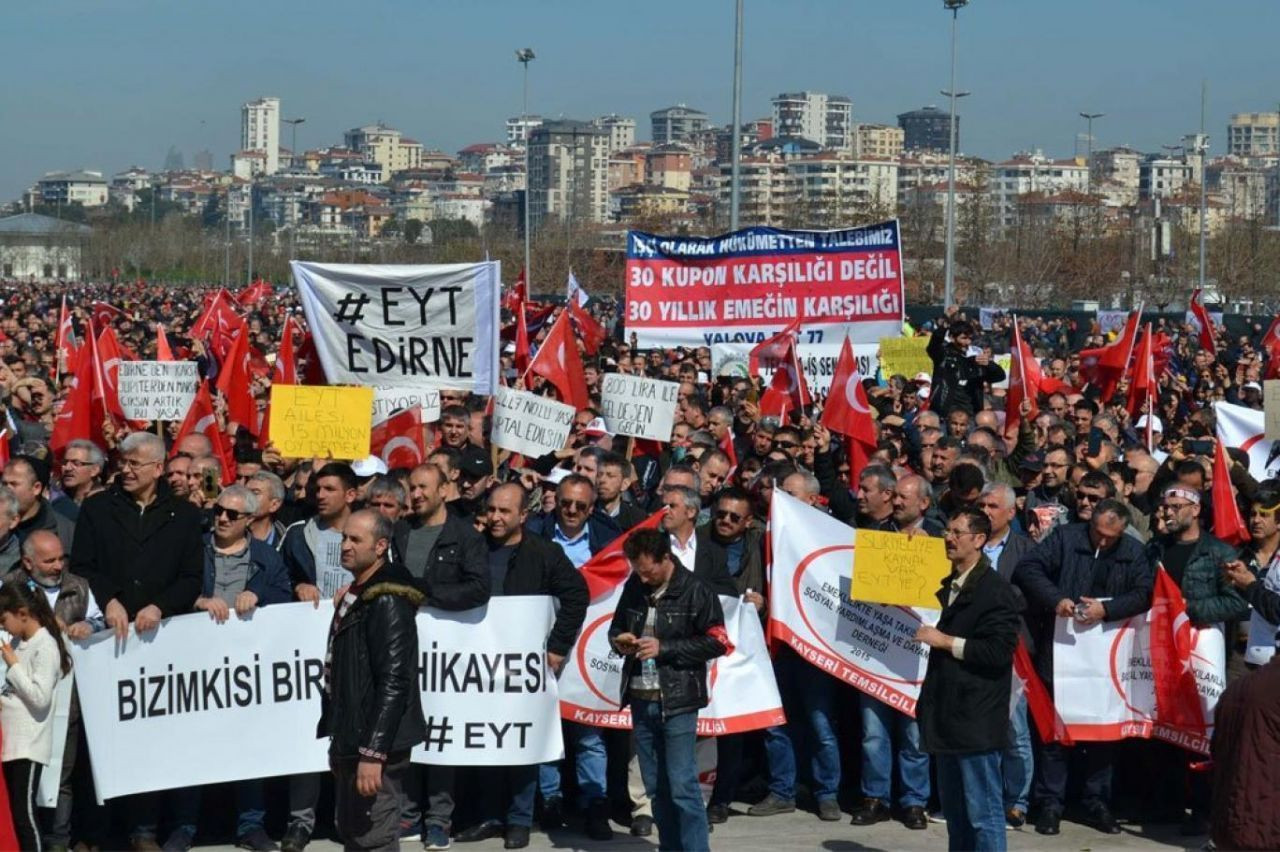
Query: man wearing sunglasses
(241, 574)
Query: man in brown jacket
(1246, 776)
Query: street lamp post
(293, 149)
(949, 293)
(1202, 147)
(735, 198)
(524, 56)
(293, 166)
(1088, 173)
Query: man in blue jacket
(240, 573)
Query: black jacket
(629, 514)
(690, 631)
(711, 564)
(139, 558)
(958, 379)
(1062, 566)
(539, 567)
(372, 707)
(456, 576)
(46, 518)
(964, 704)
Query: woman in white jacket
(37, 658)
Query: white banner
(154, 707)
(817, 361)
(418, 325)
(1245, 428)
(529, 424)
(51, 777)
(868, 646)
(157, 390)
(636, 406)
(1104, 688)
(744, 695)
(388, 399)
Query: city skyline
(103, 106)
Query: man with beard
(1048, 504)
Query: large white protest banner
(743, 692)
(154, 706)
(639, 407)
(388, 399)
(869, 646)
(157, 390)
(529, 424)
(1246, 428)
(419, 325)
(1104, 685)
(51, 777)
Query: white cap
(1156, 425)
(509, 349)
(368, 466)
(1253, 386)
(922, 376)
(596, 428)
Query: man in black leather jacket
(370, 708)
(669, 626)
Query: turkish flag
(75, 420)
(1039, 702)
(104, 315)
(398, 440)
(107, 354)
(604, 571)
(847, 410)
(201, 420)
(787, 389)
(218, 324)
(1177, 699)
(253, 295)
(1024, 382)
(1204, 326)
(65, 345)
(1142, 382)
(234, 383)
(1228, 525)
(1105, 366)
(521, 359)
(517, 295)
(593, 334)
(163, 352)
(286, 369)
(560, 364)
(726, 446)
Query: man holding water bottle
(664, 679)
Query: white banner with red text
(743, 693)
(1104, 684)
(197, 702)
(745, 286)
(869, 646)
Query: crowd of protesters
(1068, 513)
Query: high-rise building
(928, 129)
(621, 130)
(260, 130)
(1252, 134)
(386, 147)
(568, 172)
(676, 124)
(821, 118)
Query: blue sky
(107, 83)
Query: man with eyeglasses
(787, 440)
(82, 466)
(964, 700)
(1091, 572)
(1048, 504)
(140, 549)
(240, 574)
(580, 530)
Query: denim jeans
(809, 700)
(1016, 764)
(880, 724)
(670, 769)
(523, 784)
(251, 808)
(591, 762)
(549, 780)
(971, 792)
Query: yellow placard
(904, 356)
(892, 568)
(321, 422)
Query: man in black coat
(521, 563)
(958, 377)
(1068, 575)
(448, 562)
(370, 708)
(140, 548)
(963, 709)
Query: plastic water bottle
(649, 674)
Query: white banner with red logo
(869, 646)
(1245, 428)
(743, 693)
(1104, 684)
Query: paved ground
(805, 831)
